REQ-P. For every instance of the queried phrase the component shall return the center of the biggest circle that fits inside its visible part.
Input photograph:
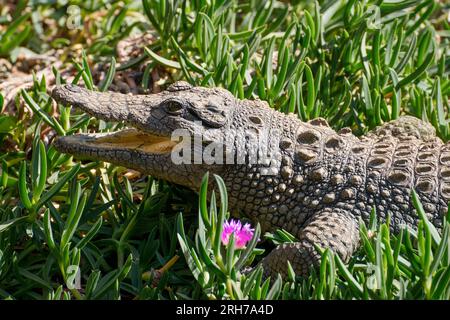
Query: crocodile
(317, 184)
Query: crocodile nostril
(72, 87)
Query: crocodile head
(149, 142)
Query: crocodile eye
(174, 107)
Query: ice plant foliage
(332, 59)
(242, 233)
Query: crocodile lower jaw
(127, 140)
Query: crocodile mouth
(127, 140)
(127, 143)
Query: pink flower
(242, 234)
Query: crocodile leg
(336, 229)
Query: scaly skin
(325, 180)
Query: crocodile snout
(68, 93)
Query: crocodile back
(320, 168)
